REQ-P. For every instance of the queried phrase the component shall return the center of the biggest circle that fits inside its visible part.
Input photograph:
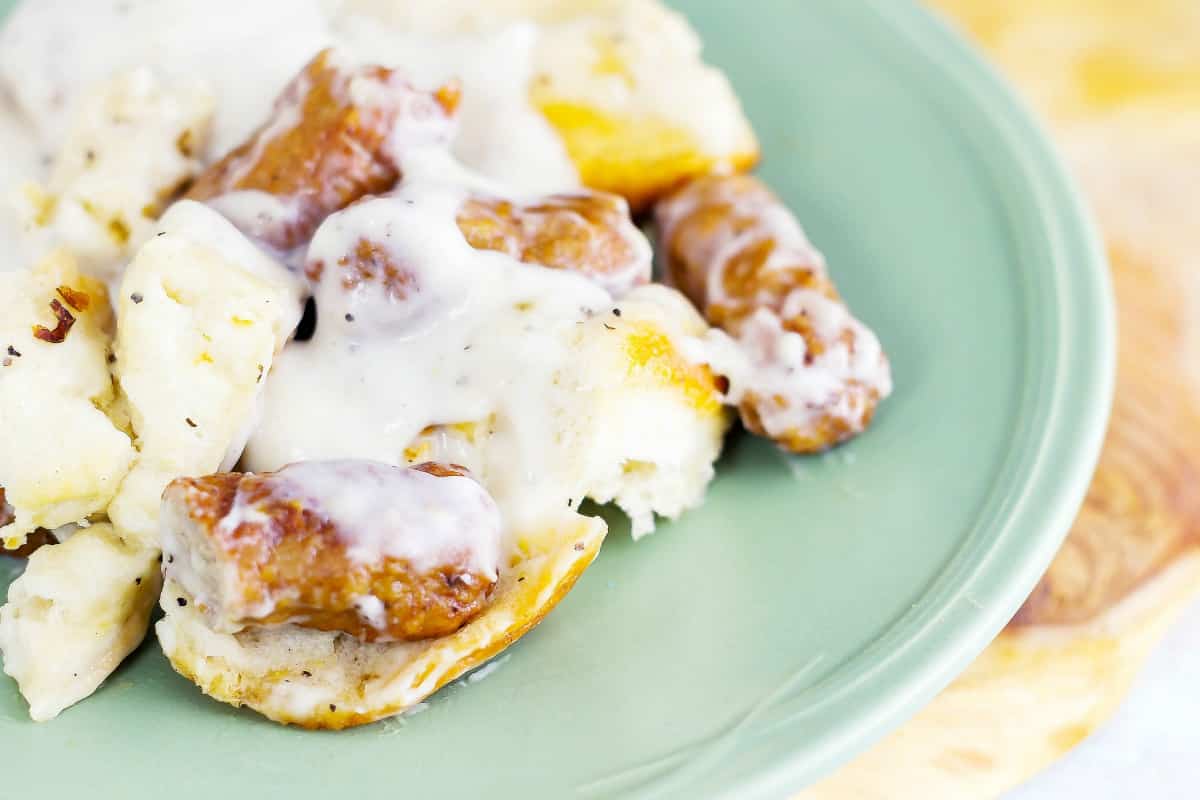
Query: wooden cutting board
(1119, 83)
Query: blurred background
(1093, 690)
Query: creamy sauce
(382, 511)
(499, 135)
(778, 364)
(52, 55)
(383, 101)
(378, 512)
(20, 165)
(466, 337)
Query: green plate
(813, 603)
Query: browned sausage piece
(336, 134)
(360, 270)
(380, 552)
(587, 232)
(814, 374)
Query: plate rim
(920, 667)
(1084, 383)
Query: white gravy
(53, 53)
(382, 511)
(477, 337)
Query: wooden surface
(1119, 83)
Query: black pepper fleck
(306, 673)
(260, 374)
(136, 297)
(570, 501)
(161, 233)
(138, 581)
(610, 327)
(349, 318)
(12, 351)
(170, 559)
(332, 707)
(616, 312)
(182, 602)
(521, 579)
(189, 421)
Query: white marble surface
(1151, 748)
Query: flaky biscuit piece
(587, 232)
(659, 422)
(654, 423)
(621, 81)
(131, 148)
(62, 458)
(814, 373)
(324, 679)
(624, 85)
(203, 313)
(380, 552)
(336, 134)
(78, 609)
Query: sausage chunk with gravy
(337, 133)
(379, 552)
(812, 374)
(587, 232)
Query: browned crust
(528, 615)
(76, 299)
(339, 721)
(64, 322)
